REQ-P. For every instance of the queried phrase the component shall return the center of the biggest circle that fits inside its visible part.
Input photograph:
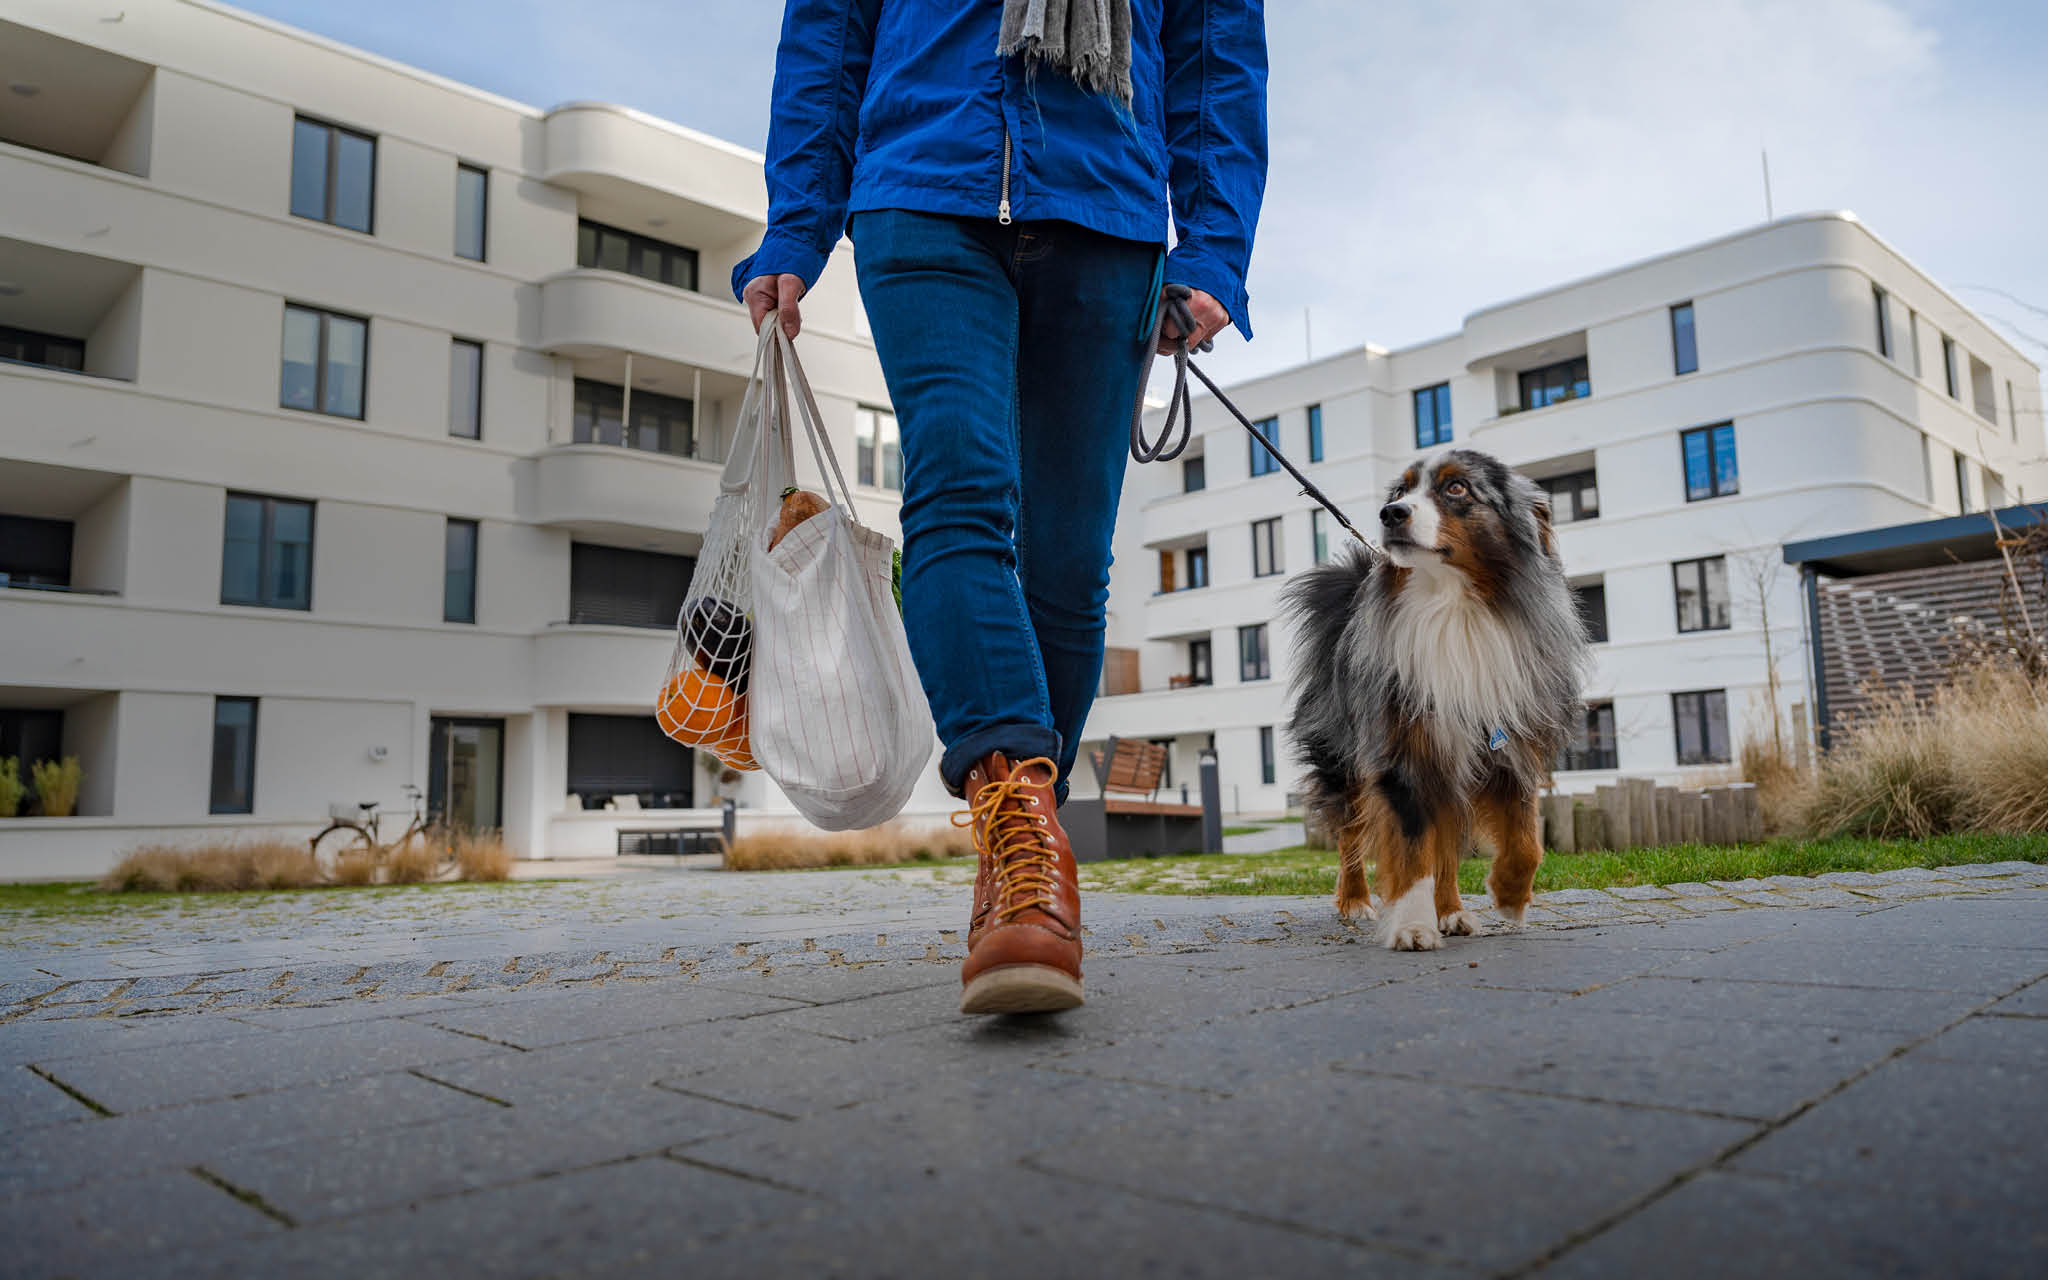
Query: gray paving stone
(1024, 1225)
(1728, 1225)
(563, 1016)
(18, 992)
(1687, 932)
(1527, 964)
(823, 986)
(1348, 1156)
(133, 1079)
(119, 1223)
(1822, 895)
(1985, 870)
(1870, 1008)
(1693, 889)
(1709, 904)
(1640, 892)
(364, 1009)
(1650, 1061)
(2018, 1043)
(1919, 1128)
(352, 1173)
(1982, 970)
(24, 1042)
(2031, 1002)
(27, 1101)
(642, 1058)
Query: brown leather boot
(1024, 937)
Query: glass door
(466, 772)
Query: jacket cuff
(1189, 264)
(781, 253)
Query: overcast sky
(1431, 157)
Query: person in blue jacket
(1006, 169)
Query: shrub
(57, 785)
(1783, 791)
(416, 861)
(888, 844)
(354, 865)
(215, 867)
(11, 789)
(482, 857)
(1973, 759)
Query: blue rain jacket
(904, 104)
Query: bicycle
(355, 836)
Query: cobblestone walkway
(711, 1074)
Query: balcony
(62, 530)
(68, 312)
(599, 668)
(637, 168)
(73, 100)
(625, 497)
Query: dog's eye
(1456, 489)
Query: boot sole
(1021, 988)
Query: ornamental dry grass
(1974, 759)
(218, 867)
(888, 844)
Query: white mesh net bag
(793, 654)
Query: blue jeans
(1012, 355)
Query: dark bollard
(1212, 803)
(729, 821)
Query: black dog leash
(1173, 304)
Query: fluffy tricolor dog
(1436, 686)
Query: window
(1200, 671)
(1983, 396)
(878, 449)
(334, 174)
(1685, 351)
(1319, 536)
(234, 756)
(1315, 433)
(1913, 337)
(1702, 726)
(1592, 602)
(267, 553)
(472, 209)
(326, 359)
(1166, 572)
(48, 350)
(1962, 485)
(611, 249)
(1884, 321)
(30, 736)
(1948, 366)
(1265, 547)
(1198, 567)
(612, 586)
(1254, 662)
(466, 389)
(627, 756)
(1433, 415)
(1592, 743)
(1263, 461)
(1710, 470)
(1702, 587)
(458, 578)
(2012, 411)
(1555, 383)
(1194, 474)
(1266, 754)
(1573, 497)
(660, 424)
(34, 553)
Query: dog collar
(1498, 740)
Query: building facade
(1688, 414)
(357, 429)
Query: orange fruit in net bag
(698, 709)
(736, 747)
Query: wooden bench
(1128, 819)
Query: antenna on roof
(1768, 215)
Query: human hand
(1210, 320)
(764, 294)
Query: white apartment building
(356, 430)
(1689, 414)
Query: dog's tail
(1323, 602)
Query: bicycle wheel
(344, 853)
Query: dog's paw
(1458, 923)
(1414, 936)
(1510, 921)
(1359, 910)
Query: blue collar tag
(1498, 740)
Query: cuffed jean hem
(1016, 741)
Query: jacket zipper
(1003, 200)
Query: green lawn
(1314, 871)
(47, 901)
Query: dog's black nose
(1393, 515)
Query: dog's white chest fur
(1455, 655)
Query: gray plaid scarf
(1088, 40)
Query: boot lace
(1013, 838)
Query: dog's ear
(1546, 536)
